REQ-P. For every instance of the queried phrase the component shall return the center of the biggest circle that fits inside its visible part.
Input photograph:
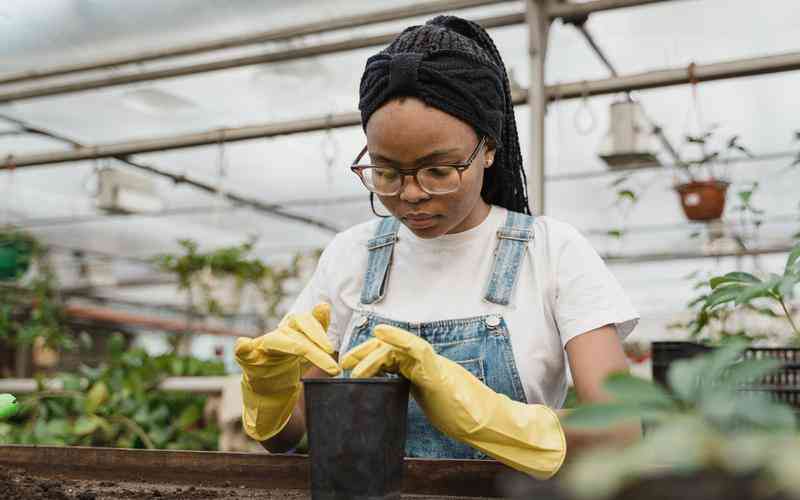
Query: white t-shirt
(565, 290)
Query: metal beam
(538, 30)
(585, 174)
(196, 385)
(223, 64)
(110, 316)
(640, 81)
(667, 256)
(676, 76)
(275, 35)
(573, 9)
(559, 10)
(272, 209)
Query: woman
(483, 300)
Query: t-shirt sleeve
(320, 288)
(587, 295)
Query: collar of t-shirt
(486, 229)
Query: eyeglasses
(433, 179)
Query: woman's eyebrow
(424, 159)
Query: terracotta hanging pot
(703, 200)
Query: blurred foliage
(719, 297)
(30, 305)
(118, 404)
(704, 421)
(194, 268)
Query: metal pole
(675, 76)
(559, 10)
(275, 35)
(648, 80)
(273, 209)
(538, 29)
(223, 64)
(661, 257)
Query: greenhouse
(218, 280)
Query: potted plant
(704, 193)
(734, 293)
(16, 254)
(707, 437)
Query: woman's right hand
(273, 364)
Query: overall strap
(381, 249)
(512, 244)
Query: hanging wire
(10, 169)
(330, 150)
(584, 119)
(222, 172)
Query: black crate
(783, 385)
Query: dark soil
(19, 484)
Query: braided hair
(452, 64)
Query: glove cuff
(265, 416)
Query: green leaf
(85, 426)
(787, 285)
(793, 261)
(733, 278)
(627, 194)
(602, 415)
(96, 396)
(626, 388)
(189, 417)
(750, 370)
(755, 292)
(684, 377)
(615, 233)
(724, 294)
(722, 358)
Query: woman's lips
(420, 221)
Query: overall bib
(480, 344)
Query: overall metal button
(493, 321)
(361, 321)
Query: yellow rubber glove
(526, 437)
(273, 364)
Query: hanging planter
(16, 255)
(703, 200)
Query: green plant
(118, 404)
(740, 288)
(710, 154)
(17, 250)
(704, 422)
(194, 268)
(32, 308)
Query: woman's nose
(411, 191)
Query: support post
(538, 28)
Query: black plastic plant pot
(356, 437)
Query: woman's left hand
(526, 437)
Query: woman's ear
(489, 153)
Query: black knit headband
(443, 68)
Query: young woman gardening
(460, 290)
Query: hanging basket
(15, 259)
(703, 200)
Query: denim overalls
(480, 344)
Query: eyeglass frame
(459, 166)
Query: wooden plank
(470, 478)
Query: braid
(506, 186)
